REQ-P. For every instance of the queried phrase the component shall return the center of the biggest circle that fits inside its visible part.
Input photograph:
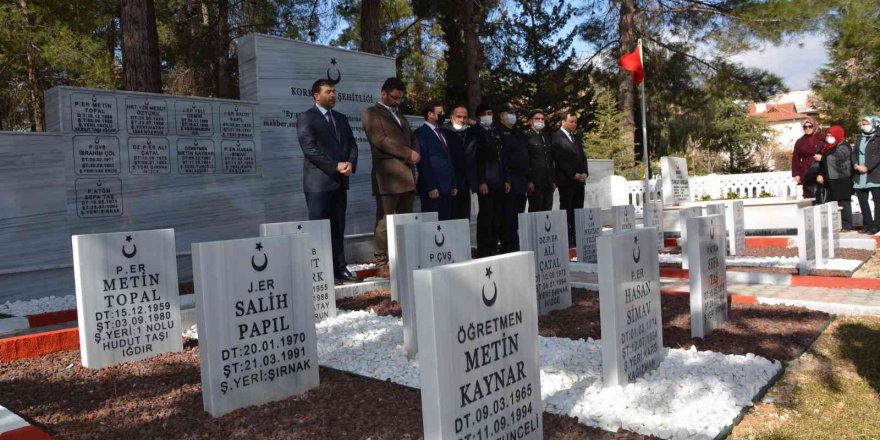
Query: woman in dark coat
(866, 179)
(804, 149)
(835, 174)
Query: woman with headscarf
(866, 179)
(802, 157)
(834, 181)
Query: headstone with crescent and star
(127, 302)
(255, 311)
(425, 245)
(623, 217)
(675, 185)
(683, 215)
(320, 256)
(806, 240)
(653, 218)
(629, 305)
(733, 222)
(588, 226)
(394, 250)
(546, 234)
(708, 273)
(478, 340)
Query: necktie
(442, 140)
(332, 124)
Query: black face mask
(442, 119)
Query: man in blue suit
(330, 154)
(436, 183)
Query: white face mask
(511, 118)
(458, 126)
(538, 125)
(866, 128)
(486, 120)
(830, 140)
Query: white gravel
(692, 395)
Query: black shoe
(345, 275)
(873, 231)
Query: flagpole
(647, 197)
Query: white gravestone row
(674, 180)
(683, 215)
(478, 339)
(708, 273)
(546, 234)
(834, 227)
(820, 229)
(394, 250)
(257, 340)
(629, 305)
(320, 256)
(806, 240)
(588, 224)
(623, 217)
(424, 245)
(128, 306)
(653, 218)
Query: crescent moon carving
(134, 250)
(637, 254)
(338, 76)
(442, 239)
(261, 267)
(490, 302)
(712, 232)
(590, 212)
(548, 225)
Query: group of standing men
(443, 162)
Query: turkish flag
(633, 62)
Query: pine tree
(604, 140)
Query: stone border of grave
(15, 427)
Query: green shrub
(732, 195)
(706, 198)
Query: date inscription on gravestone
(148, 117)
(239, 157)
(148, 156)
(193, 118)
(93, 113)
(195, 156)
(98, 197)
(98, 155)
(236, 121)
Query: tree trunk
(34, 95)
(140, 47)
(625, 85)
(472, 56)
(370, 41)
(223, 41)
(111, 37)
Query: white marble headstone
(683, 215)
(127, 302)
(546, 234)
(255, 309)
(653, 218)
(588, 226)
(394, 250)
(736, 228)
(320, 257)
(820, 228)
(623, 217)
(426, 245)
(708, 273)
(478, 359)
(834, 227)
(674, 180)
(629, 305)
(806, 240)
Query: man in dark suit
(330, 153)
(395, 152)
(463, 147)
(541, 169)
(515, 151)
(493, 184)
(436, 184)
(571, 168)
